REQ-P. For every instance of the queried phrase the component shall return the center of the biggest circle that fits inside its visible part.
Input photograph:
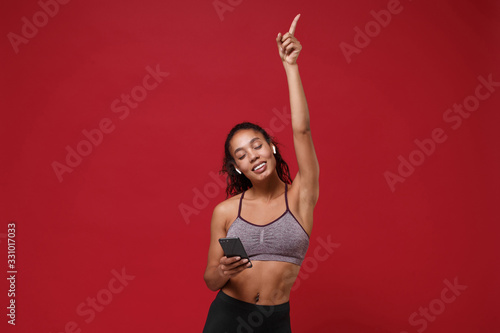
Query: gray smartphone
(233, 247)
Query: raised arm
(307, 177)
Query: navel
(257, 298)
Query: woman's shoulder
(228, 209)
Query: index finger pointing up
(294, 24)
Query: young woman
(272, 216)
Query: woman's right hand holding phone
(231, 266)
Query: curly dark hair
(237, 183)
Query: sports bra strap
(286, 196)
(241, 199)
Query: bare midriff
(266, 283)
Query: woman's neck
(268, 189)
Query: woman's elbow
(209, 282)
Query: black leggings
(230, 315)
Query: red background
(121, 207)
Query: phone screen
(233, 247)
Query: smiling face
(252, 154)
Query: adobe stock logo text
(222, 6)
(94, 137)
(93, 305)
(29, 28)
(425, 315)
(427, 146)
(364, 36)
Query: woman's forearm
(298, 102)
(214, 279)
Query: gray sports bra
(283, 239)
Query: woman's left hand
(289, 47)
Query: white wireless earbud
(238, 171)
(274, 149)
